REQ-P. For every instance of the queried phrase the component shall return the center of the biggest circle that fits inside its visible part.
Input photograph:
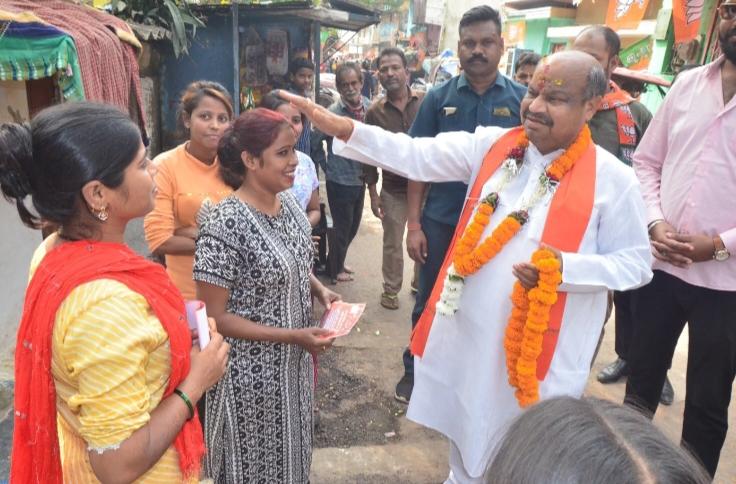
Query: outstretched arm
(446, 157)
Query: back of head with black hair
(273, 101)
(482, 13)
(300, 63)
(613, 41)
(528, 59)
(392, 51)
(589, 441)
(64, 148)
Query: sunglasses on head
(727, 12)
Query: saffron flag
(686, 15)
(637, 56)
(625, 14)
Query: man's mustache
(477, 58)
(539, 118)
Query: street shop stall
(56, 51)
(248, 45)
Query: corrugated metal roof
(251, 3)
(330, 17)
(344, 14)
(149, 32)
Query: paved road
(420, 456)
(364, 437)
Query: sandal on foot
(389, 301)
(344, 277)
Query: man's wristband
(186, 400)
(654, 223)
(413, 227)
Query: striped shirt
(110, 363)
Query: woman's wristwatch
(721, 253)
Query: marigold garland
(469, 256)
(529, 320)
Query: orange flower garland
(515, 331)
(466, 264)
(469, 257)
(529, 320)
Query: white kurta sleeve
(623, 260)
(446, 157)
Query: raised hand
(329, 123)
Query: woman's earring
(102, 214)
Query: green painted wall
(536, 34)
(557, 22)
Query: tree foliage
(383, 5)
(175, 16)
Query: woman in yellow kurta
(189, 181)
(106, 381)
(117, 374)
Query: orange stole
(571, 203)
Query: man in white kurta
(461, 385)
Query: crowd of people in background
(229, 217)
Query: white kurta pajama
(460, 384)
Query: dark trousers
(624, 321)
(439, 236)
(346, 208)
(662, 308)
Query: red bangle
(413, 227)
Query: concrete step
(406, 463)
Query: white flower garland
(452, 286)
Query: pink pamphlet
(197, 319)
(341, 317)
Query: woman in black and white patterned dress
(253, 270)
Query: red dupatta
(35, 456)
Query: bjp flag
(686, 15)
(514, 32)
(625, 14)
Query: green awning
(29, 58)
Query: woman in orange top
(189, 181)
